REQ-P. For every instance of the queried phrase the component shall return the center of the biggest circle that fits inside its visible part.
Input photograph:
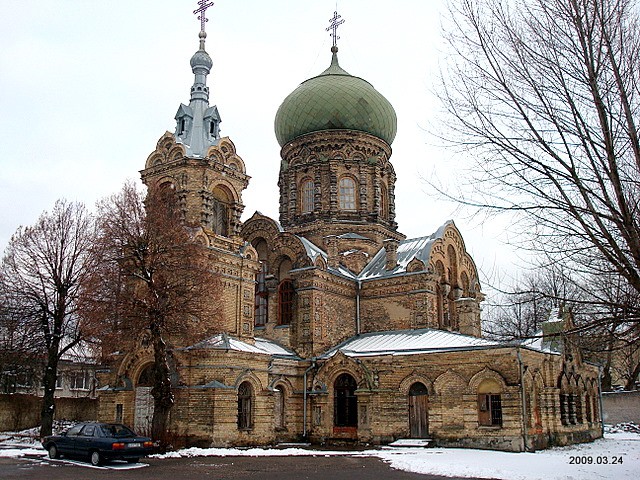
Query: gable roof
(418, 248)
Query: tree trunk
(48, 403)
(162, 392)
(631, 381)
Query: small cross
(202, 9)
(336, 21)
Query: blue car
(99, 442)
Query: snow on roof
(538, 343)
(409, 249)
(313, 251)
(222, 341)
(408, 342)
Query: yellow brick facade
(334, 269)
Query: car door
(66, 444)
(85, 440)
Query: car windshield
(119, 431)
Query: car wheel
(53, 451)
(133, 460)
(96, 459)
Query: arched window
(384, 202)
(261, 299)
(245, 406)
(347, 194)
(489, 404)
(587, 404)
(220, 212)
(307, 196)
(145, 379)
(345, 402)
(286, 295)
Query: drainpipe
(600, 400)
(358, 287)
(304, 397)
(523, 398)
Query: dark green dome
(335, 100)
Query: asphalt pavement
(212, 468)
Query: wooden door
(418, 411)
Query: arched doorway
(143, 411)
(345, 402)
(418, 411)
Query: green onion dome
(335, 100)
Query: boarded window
(279, 407)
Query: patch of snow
(21, 452)
(410, 442)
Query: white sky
(87, 87)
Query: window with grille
(347, 194)
(245, 405)
(307, 199)
(489, 410)
(286, 295)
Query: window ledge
(489, 427)
(282, 326)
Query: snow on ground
(616, 456)
(564, 463)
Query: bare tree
(41, 273)
(154, 280)
(21, 348)
(544, 94)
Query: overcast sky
(87, 87)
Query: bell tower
(204, 169)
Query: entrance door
(143, 411)
(418, 411)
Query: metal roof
(410, 342)
(222, 341)
(419, 248)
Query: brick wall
(619, 407)
(18, 412)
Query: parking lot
(214, 468)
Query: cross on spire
(336, 21)
(202, 10)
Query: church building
(335, 327)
